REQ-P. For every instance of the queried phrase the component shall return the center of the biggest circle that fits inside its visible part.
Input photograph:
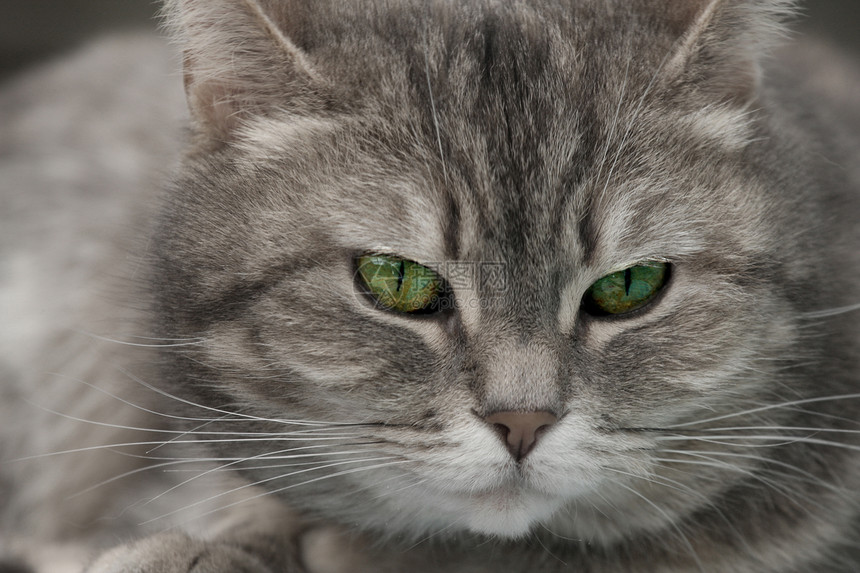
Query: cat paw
(178, 553)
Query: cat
(434, 286)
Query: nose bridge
(519, 375)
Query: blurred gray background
(31, 30)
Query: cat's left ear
(238, 64)
(721, 43)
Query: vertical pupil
(400, 271)
(626, 290)
(418, 289)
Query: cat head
(523, 160)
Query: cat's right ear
(238, 64)
(721, 43)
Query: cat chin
(507, 515)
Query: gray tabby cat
(568, 285)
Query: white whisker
(226, 412)
(780, 428)
(129, 474)
(136, 406)
(548, 552)
(669, 520)
(827, 313)
(763, 463)
(191, 432)
(778, 486)
(433, 108)
(116, 446)
(664, 481)
(766, 408)
(265, 456)
(780, 441)
(436, 533)
(168, 342)
(261, 482)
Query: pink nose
(521, 430)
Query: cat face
(521, 154)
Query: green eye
(626, 290)
(401, 285)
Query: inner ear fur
(720, 44)
(238, 63)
